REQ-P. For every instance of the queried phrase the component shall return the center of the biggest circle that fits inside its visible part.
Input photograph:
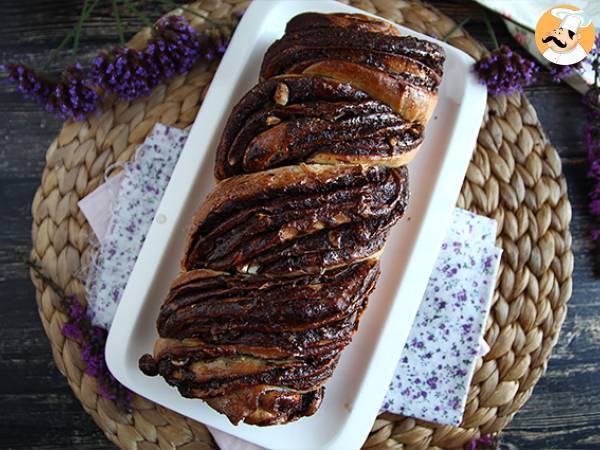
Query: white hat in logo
(571, 20)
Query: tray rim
(116, 352)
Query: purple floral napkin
(433, 375)
(130, 208)
(436, 366)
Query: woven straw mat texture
(514, 177)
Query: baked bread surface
(281, 257)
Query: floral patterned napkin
(436, 366)
(141, 186)
(435, 369)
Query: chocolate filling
(298, 57)
(300, 89)
(258, 303)
(217, 327)
(427, 53)
(303, 227)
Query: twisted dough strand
(283, 254)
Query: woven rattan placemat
(514, 176)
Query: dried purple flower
(484, 442)
(591, 137)
(70, 330)
(129, 73)
(591, 101)
(504, 71)
(74, 96)
(558, 72)
(31, 84)
(92, 339)
(214, 43)
(175, 48)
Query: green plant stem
(78, 28)
(456, 28)
(67, 38)
(488, 25)
(191, 11)
(55, 52)
(119, 24)
(138, 13)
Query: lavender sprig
(504, 71)
(591, 138)
(174, 49)
(214, 43)
(127, 72)
(92, 339)
(31, 84)
(485, 442)
(559, 72)
(74, 95)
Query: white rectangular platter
(354, 394)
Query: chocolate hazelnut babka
(281, 257)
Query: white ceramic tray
(354, 394)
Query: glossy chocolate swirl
(282, 255)
(254, 107)
(288, 124)
(427, 53)
(305, 219)
(223, 334)
(401, 71)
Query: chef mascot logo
(564, 35)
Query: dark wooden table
(37, 408)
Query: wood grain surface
(37, 409)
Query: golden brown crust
(267, 405)
(410, 70)
(325, 157)
(360, 22)
(413, 103)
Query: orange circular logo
(564, 35)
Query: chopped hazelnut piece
(282, 94)
(272, 120)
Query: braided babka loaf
(281, 257)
